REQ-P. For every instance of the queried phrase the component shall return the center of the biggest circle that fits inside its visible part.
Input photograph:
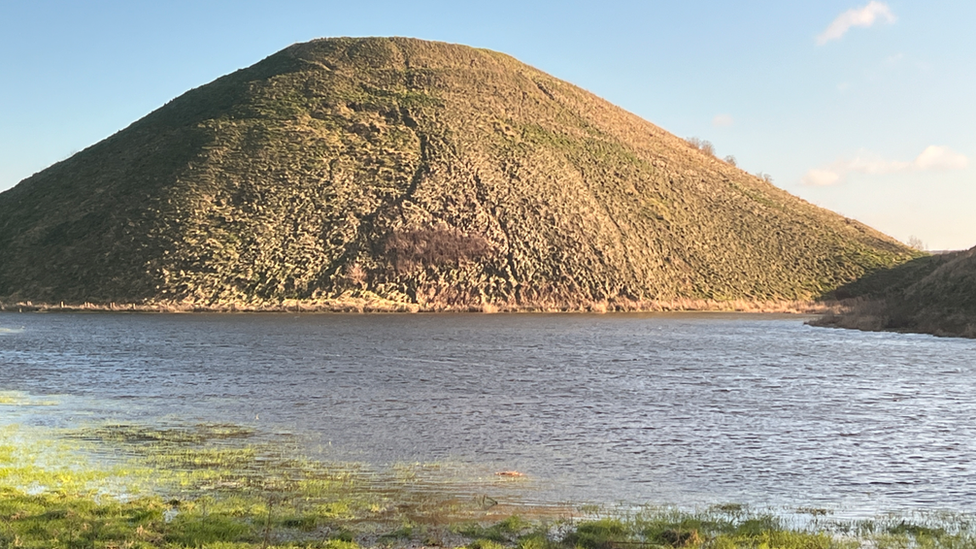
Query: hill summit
(434, 175)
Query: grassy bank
(57, 519)
(930, 294)
(218, 486)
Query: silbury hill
(419, 175)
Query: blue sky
(864, 107)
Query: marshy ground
(221, 486)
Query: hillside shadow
(883, 283)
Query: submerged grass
(217, 486)
(18, 398)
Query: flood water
(685, 409)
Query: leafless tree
(703, 146)
(707, 148)
(916, 242)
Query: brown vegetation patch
(408, 250)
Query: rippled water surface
(686, 409)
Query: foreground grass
(61, 520)
(212, 486)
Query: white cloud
(722, 121)
(856, 17)
(874, 165)
(933, 158)
(940, 158)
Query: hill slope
(425, 173)
(934, 294)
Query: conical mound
(430, 174)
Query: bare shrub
(355, 274)
(765, 177)
(730, 160)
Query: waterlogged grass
(217, 486)
(134, 434)
(18, 398)
(208, 486)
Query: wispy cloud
(821, 178)
(857, 17)
(722, 121)
(933, 158)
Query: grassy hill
(933, 294)
(411, 172)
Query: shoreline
(370, 304)
(880, 315)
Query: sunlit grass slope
(421, 173)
